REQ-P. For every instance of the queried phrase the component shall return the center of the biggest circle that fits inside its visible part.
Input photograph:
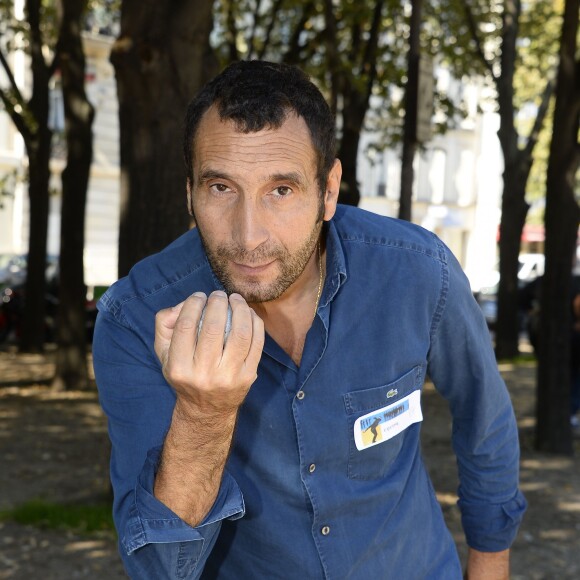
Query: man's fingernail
(199, 294)
(220, 293)
(236, 296)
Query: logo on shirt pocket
(377, 419)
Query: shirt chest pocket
(377, 420)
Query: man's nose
(250, 222)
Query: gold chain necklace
(319, 280)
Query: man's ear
(332, 190)
(190, 200)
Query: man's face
(258, 205)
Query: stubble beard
(290, 266)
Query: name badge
(384, 424)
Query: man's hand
(211, 381)
(488, 565)
(208, 377)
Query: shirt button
(312, 467)
(325, 531)
(300, 395)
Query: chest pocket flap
(372, 448)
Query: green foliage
(332, 45)
(76, 517)
(8, 185)
(447, 35)
(103, 16)
(524, 359)
(301, 32)
(15, 29)
(10, 180)
(538, 59)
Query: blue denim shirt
(300, 498)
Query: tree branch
(369, 64)
(474, 34)
(332, 57)
(17, 118)
(54, 65)
(355, 41)
(274, 12)
(234, 55)
(539, 120)
(255, 22)
(294, 47)
(509, 38)
(11, 78)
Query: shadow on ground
(54, 446)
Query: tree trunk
(353, 115)
(33, 327)
(356, 92)
(514, 206)
(411, 101)
(38, 146)
(514, 210)
(161, 59)
(553, 430)
(71, 356)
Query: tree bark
(356, 96)
(517, 165)
(161, 59)
(353, 115)
(514, 210)
(411, 100)
(71, 355)
(33, 326)
(553, 430)
(38, 145)
(514, 206)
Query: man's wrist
(487, 565)
(205, 416)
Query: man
(253, 459)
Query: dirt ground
(54, 446)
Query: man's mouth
(253, 269)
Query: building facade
(102, 212)
(457, 176)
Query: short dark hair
(256, 95)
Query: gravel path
(54, 446)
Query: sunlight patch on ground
(447, 498)
(569, 506)
(534, 486)
(55, 429)
(547, 463)
(558, 535)
(506, 367)
(85, 545)
(8, 414)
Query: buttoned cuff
(152, 522)
(492, 528)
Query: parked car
(13, 303)
(531, 266)
(13, 268)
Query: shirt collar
(336, 274)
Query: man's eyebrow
(292, 177)
(208, 174)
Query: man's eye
(283, 190)
(219, 187)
